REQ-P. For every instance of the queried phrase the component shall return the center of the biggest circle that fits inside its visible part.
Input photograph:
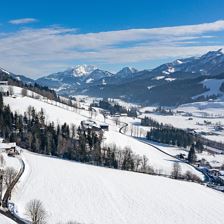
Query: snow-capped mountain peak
(83, 70)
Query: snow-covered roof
(7, 145)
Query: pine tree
(199, 146)
(1, 102)
(192, 155)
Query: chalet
(5, 83)
(219, 128)
(213, 150)
(181, 156)
(89, 124)
(9, 148)
(216, 172)
(104, 127)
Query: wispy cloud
(23, 21)
(41, 51)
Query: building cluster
(92, 125)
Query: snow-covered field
(5, 220)
(96, 195)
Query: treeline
(169, 135)
(115, 108)
(31, 132)
(163, 111)
(148, 121)
(42, 90)
(173, 136)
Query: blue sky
(41, 37)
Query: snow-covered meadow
(95, 195)
(5, 220)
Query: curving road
(8, 192)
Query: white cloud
(23, 21)
(41, 51)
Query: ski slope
(160, 161)
(96, 195)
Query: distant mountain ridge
(21, 78)
(174, 83)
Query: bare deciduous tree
(144, 163)
(24, 92)
(189, 176)
(9, 176)
(116, 120)
(36, 212)
(11, 90)
(104, 113)
(2, 161)
(176, 172)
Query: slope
(160, 161)
(90, 194)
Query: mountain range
(181, 81)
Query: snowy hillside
(160, 161)
(213, 87)
(95, 195)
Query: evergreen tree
(199, 146)
(1, 102)
(192, 155)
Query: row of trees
(42, 90)
(170, 135)
(114, 108)
(148, 121)
(189, 176)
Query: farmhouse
(104, 126)
(89, 124)
(5, 83)
(9, 148)
(216, 172)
